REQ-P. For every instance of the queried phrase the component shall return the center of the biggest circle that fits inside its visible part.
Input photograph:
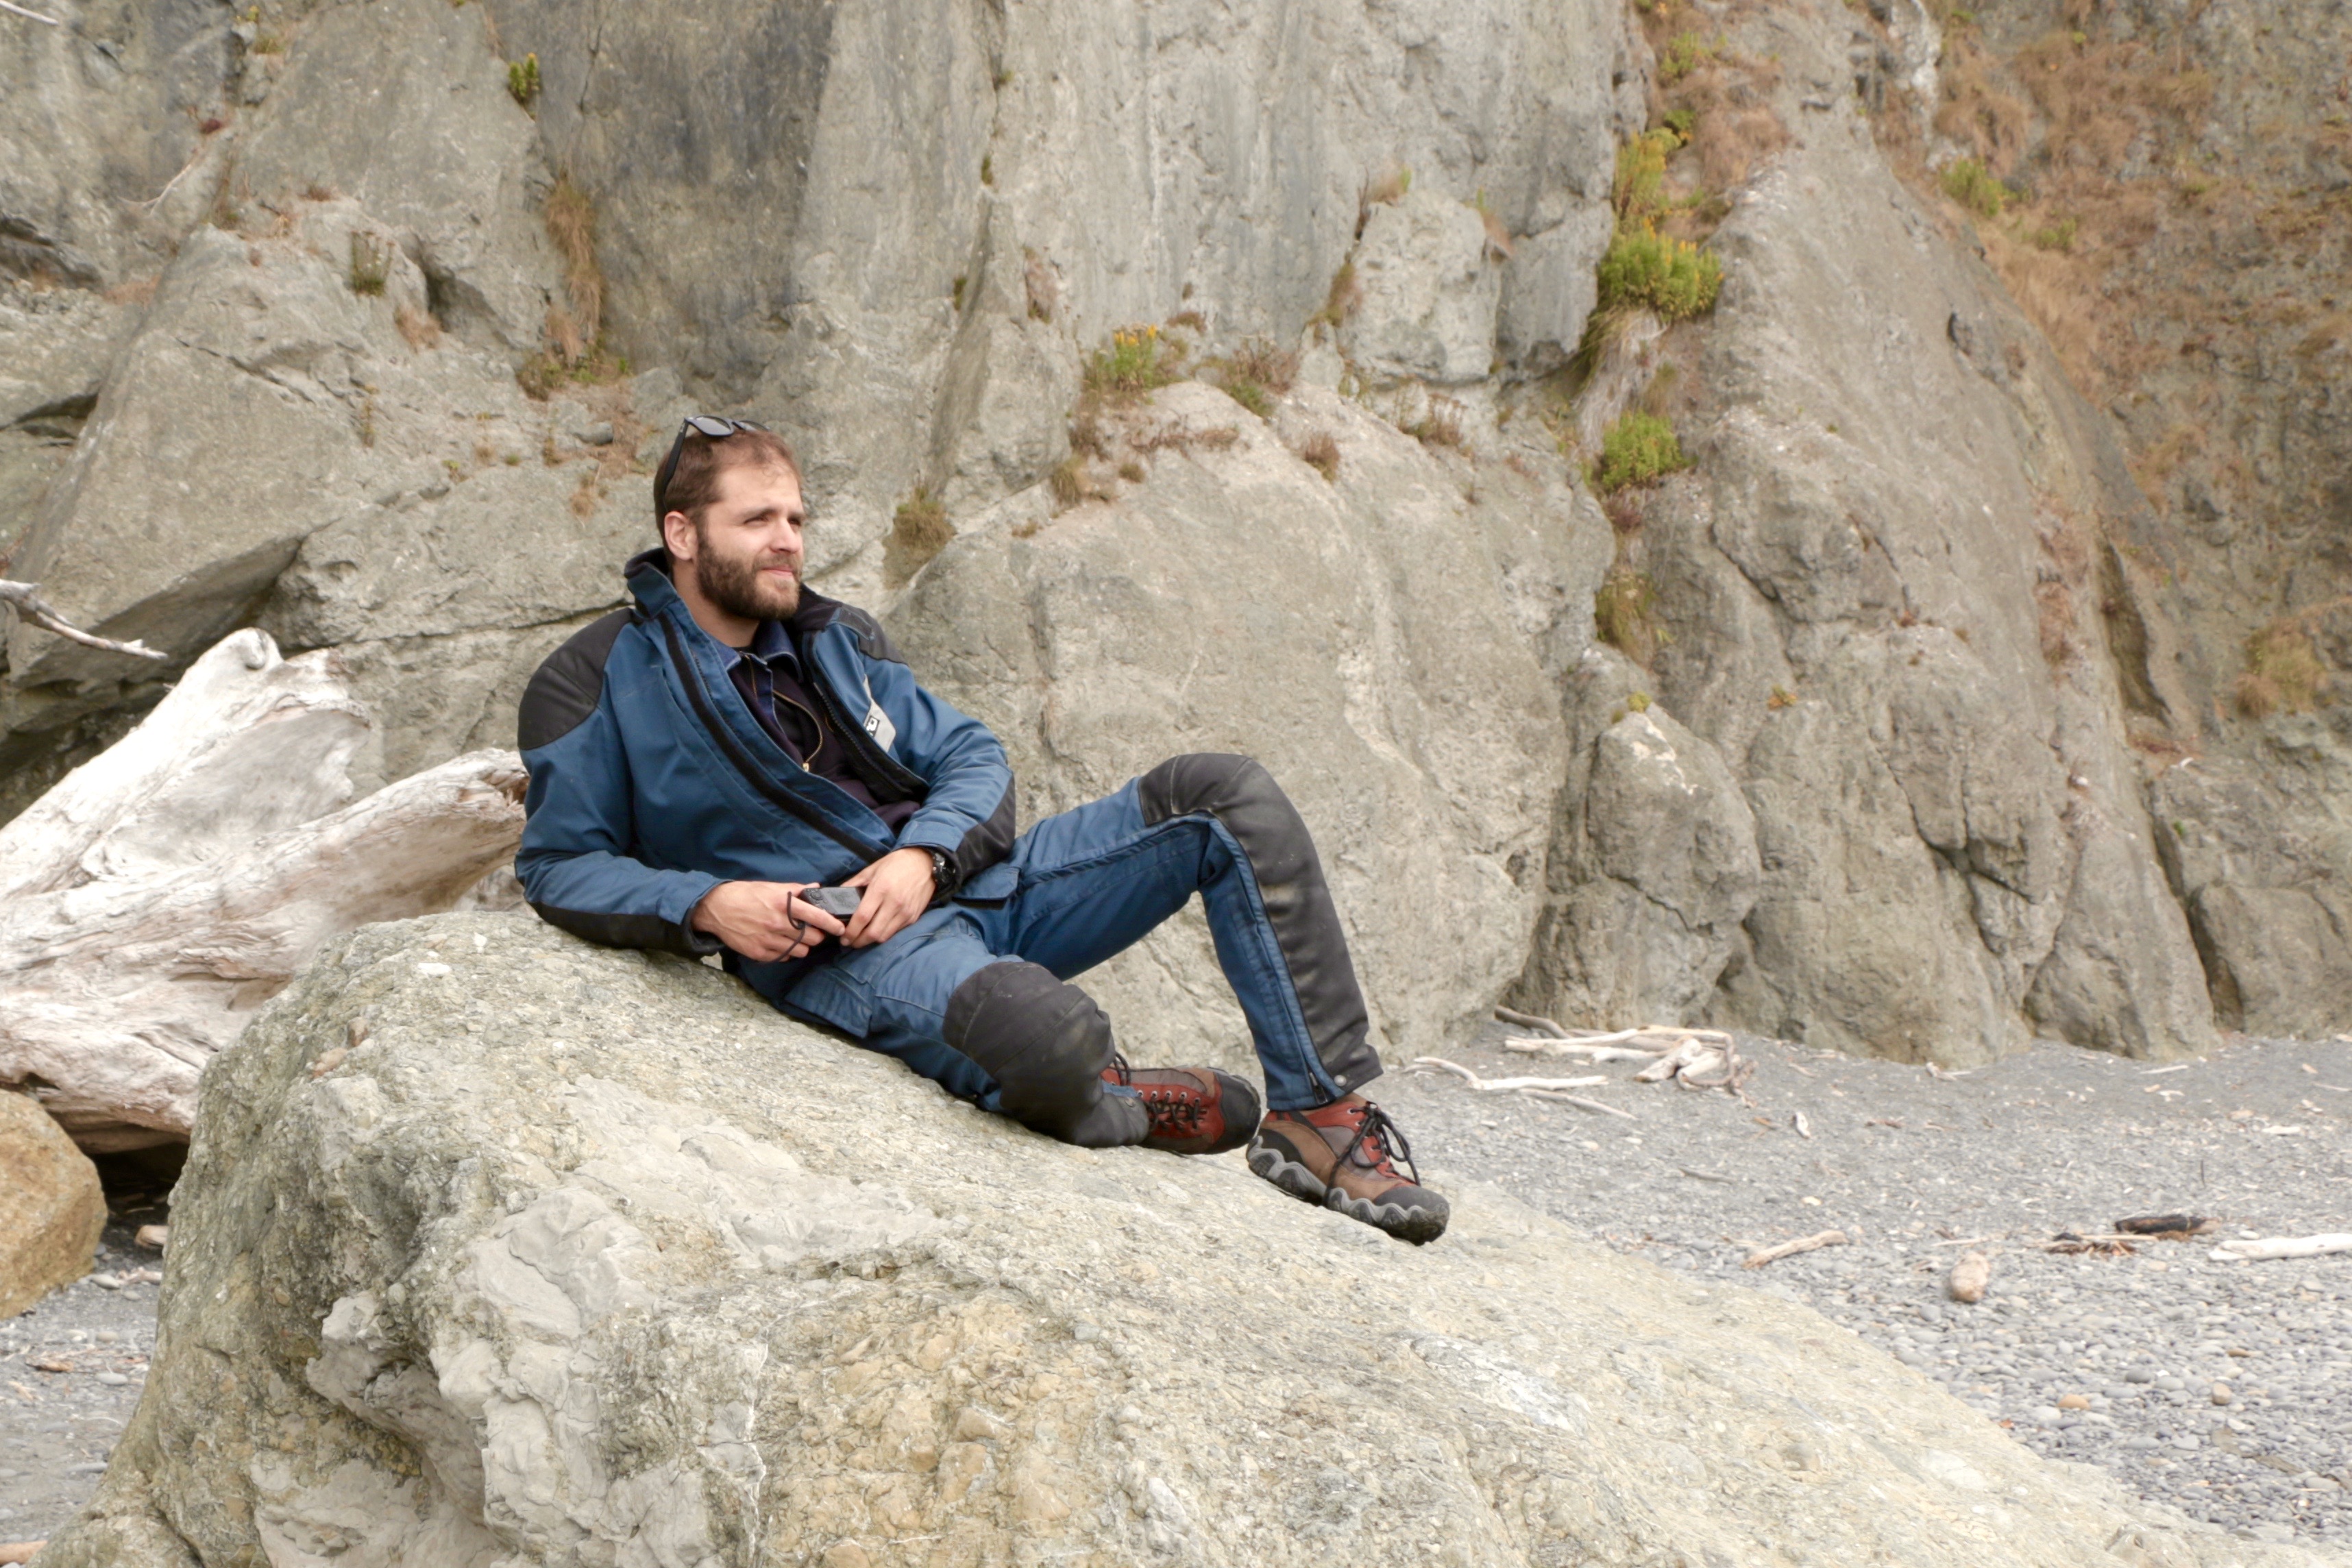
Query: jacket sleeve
(968, 813)
(573, 864)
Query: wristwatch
(944, 876)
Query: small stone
(846, 1554)
(2141, 1374)
(597, 434)
(113, 1379)
(2074, 1402)
(2221, 1394)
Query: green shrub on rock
(1636, 449)
(1644, 270)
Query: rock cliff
(1934, 706)
(494, 1248)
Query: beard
(733, 583)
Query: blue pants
(975, 995)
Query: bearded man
(706, 760)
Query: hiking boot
(1193, 1110)
(1339, 1155)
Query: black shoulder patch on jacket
(872, 640)
(568, 685)
(817, 612)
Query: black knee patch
(1242, 795)
(1043, 1041)
(1217, 783)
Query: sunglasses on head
(710, 426)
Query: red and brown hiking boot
(1339, 1155)
(1194, 1111)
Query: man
(702, 762)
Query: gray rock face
(1901, 678)
(2260, 855)
(1652, 864)
(494, 1248)
(1428, 292)
(1952, 841)
(1412, 719)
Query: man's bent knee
(1043, 1041)
(1219, 782)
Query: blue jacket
(651, 783)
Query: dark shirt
(769, 676)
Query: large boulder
(494, 1248)
(52, 1209)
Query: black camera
(839, 902)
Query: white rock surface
(585, 1258)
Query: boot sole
(1415, 1225)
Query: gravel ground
(58, 1427)
(2218, 1388)
(1900, 1159)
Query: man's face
(745, 552)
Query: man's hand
(897, 888)
(764, 921)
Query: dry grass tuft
(1074, 483)
(1340, 301)
(2284, 669)
(1623, 613)
(918, 531)
(1321, 451)
(1439, 425)
(571, 225)
(418, 327)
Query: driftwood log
(164, 889)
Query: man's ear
(677, 536)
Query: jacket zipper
(791, 804)
(905, 781)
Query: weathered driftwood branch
(1533, 1088)
(27, 597)
(2281, 1247)
(1505, 1085)
(1763, 1256)
(160, 892)
(1602, 1048)
(1578, 1102)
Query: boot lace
(1381, 1141)
(1175, 1111)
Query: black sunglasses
(708, 426)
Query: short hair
(693, 485)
